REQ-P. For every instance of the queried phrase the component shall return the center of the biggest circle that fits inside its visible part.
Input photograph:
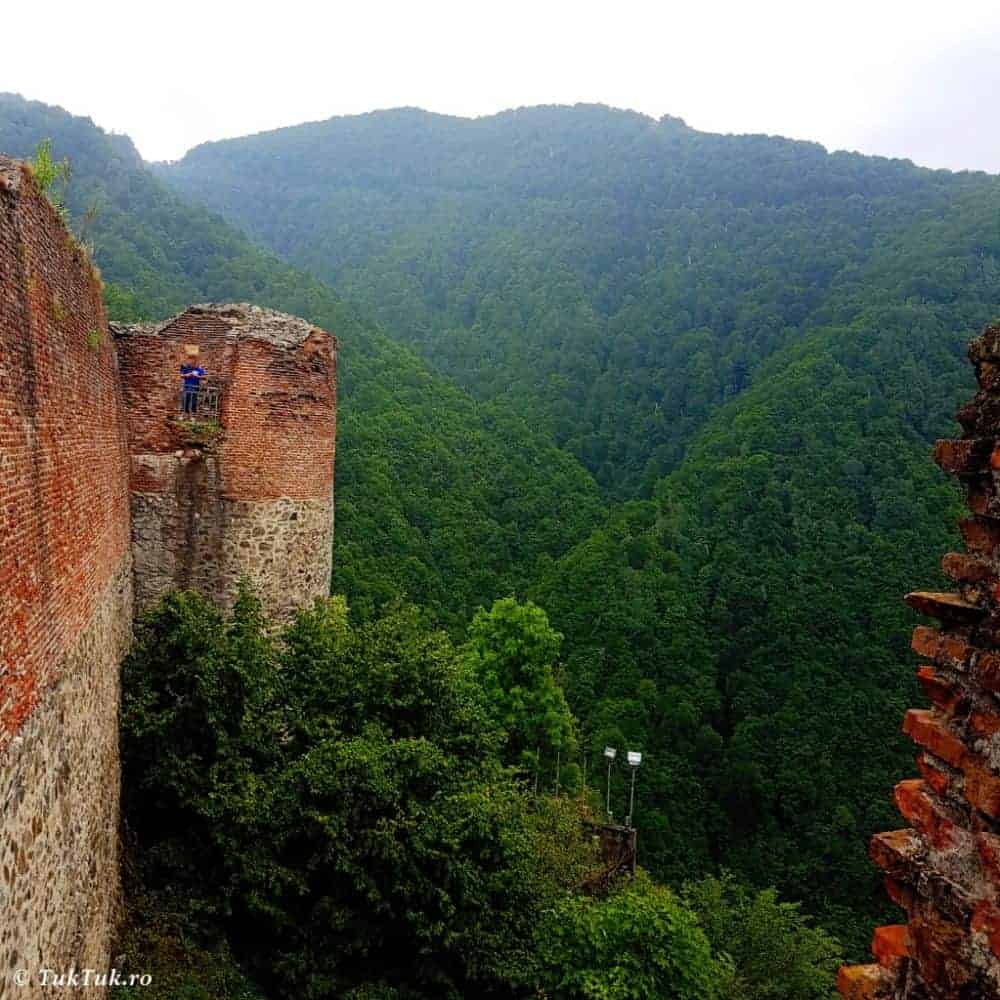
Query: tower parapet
(944, 868)
(234, 477)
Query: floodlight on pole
(634, 760)
(609, 753)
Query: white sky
(911, 78)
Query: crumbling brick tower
(944, 869)
(243, 486)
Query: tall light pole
(609, 753)
(634, 760)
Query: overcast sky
(910, 79)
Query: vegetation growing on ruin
(201, 432)
(51, 175)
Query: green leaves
(512, 649)
(777, 954)
(335, 795)
(641, 943)
(52, 175)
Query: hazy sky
(910, 78)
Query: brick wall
(65, 591)
(943, 867)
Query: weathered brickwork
(944, 868)
(253, 497)
(65, 591)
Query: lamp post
(634, 760)
(609, 753)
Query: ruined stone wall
(65, 595)
(253, 496)
(943, 869)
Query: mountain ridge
(515, 252)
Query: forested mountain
(749, 342)
(779, 330)
(613, 277)
(439, 499)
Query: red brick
(923, 728)
(988, 671)
(944, 696)
(986, 920)
(890, 943)
(988, 375)
(982, 536)
(278, 407)
(933, 773)
(896, 852)
(900, 894)
(864, 982)
(917, 804)
(64, 521)
(964, 568)
(982, 789)
(963, 457)
(938, 947)
(984, 723)
(988, 846)
(981, 495)
(942, 647)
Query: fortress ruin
(112, 494)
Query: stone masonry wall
(65, 594)
(253, 497)
(943, 870)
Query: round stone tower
(231, 470)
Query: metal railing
(199, 402)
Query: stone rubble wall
(191, 537)
(59, 789)
(943, 869)
(65, 593)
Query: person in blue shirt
(191, 374)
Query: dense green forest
(614, 277)
(334, 806)
(749, 341)
(677, 389)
